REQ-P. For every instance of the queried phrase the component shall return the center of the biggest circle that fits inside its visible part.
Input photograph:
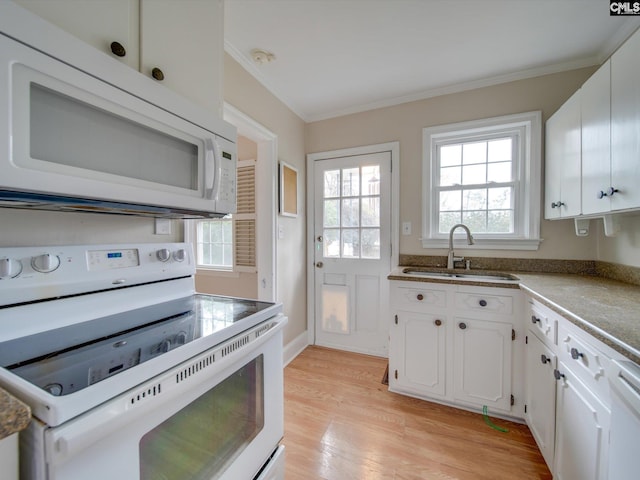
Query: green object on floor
(488, 421)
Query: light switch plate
(406, 228)
(163, 226)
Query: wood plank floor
(342, 423)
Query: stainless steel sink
(463, 275)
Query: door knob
(319, 264)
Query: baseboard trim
(295, 347)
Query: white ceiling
(335, 57)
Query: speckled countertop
(14, 415)
(607, 309)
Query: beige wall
(404, 123)
(624, 248)
(247, 95)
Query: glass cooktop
(68, 359)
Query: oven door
(216, 416)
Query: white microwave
(106, 139)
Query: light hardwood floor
(342, 423)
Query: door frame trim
(394, 149)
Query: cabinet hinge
(513, 400)
(513, 335)
(396, 317)
(395, 374)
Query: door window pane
(350, 182)
(350, 212)
(371, 243)
(331, 242)
(331, 183)
(350, 243)
(331, 213)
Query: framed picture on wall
(288, 198)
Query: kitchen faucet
(451, 259)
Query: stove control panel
(38, 273)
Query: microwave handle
(212, 168)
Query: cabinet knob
(557, 374)
(117, 49)
(462, 325)
(575, 354)
(535, 320)
(483, 303)
(609, 193)
(420, 297)
(438, 322)
(557, 204)
(544, 359)
(157, 74)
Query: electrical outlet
(163, 226)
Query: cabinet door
(562, 161)
(596, 141)
(582, 431)
(418, 353)
(185, 40)
(96, 22)
(541, 396)
(625, 124)
(482, 363)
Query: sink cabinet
(456, 344)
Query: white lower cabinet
(456, 345)
(582, 430)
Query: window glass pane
(331, 183)
(331, 213)
(216, 232)
(371, 243)
(500, 150)
(450, 176)
(350, 243)
(350, 212)
(475, 220)
(227, 252)
(450, 155)
(370, 211)
(215, 243)
(331, 243)
(474, 153)
(499, 172)
(474, 174)
(475, 199)
(451, 200)
(500, 221)
(204, 229)
(371, 180)
(206, 250)
(499, 198)
(448, 220)
(227, 233)
(350, 182)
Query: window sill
(484, 244)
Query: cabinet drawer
(543, 322)
(579, 353)
(484, 302)
(417, 296)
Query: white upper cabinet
(179, 44)
(562, 161)
(625, 125)
(596, 142)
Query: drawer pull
(575, 354)
(117, 49)
(535, 320)
(157, 74)
(438, 322)
(544, 359)
(557, 374)
(483, 303)
(462, 325)
(420, 297)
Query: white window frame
(527, 176)
(191, 236)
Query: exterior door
(352, 254)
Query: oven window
(201, 440)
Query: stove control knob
(179, 255)
(163, 254)
(10, 268)
(45, 263)
(165, 346)
(54, 389)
